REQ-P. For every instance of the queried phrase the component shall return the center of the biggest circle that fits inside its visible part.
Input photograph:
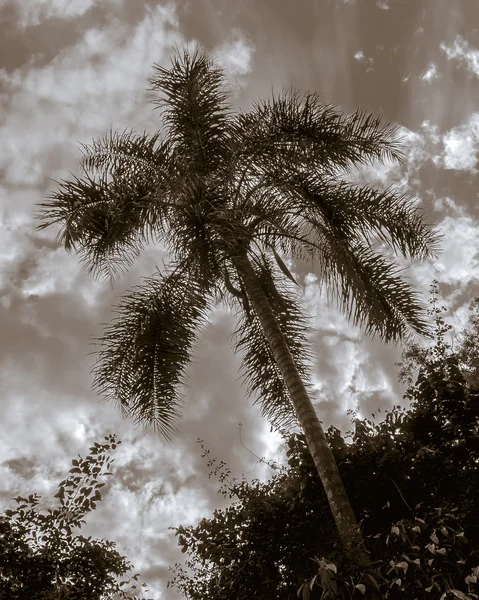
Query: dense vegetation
(413, 480)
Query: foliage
(41, 558)
(413, 480)
(213, 185)
(468, 350)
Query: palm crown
(215, 186)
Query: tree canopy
(211, 187)
(41, 556)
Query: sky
(70, 69)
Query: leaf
(403, 565)
(331, 567)
(459, 594)
(434, 538)
(432, 548)
(284, 268)
(306, 593)
(372, 581)
(361, 587)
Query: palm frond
(99, 220)
(191, 235)
(295, 128)
(192, 97)
(147, 347)
(127, 153)
(140, 164)
(363, 211)
(369, 289)
(117, 206)
(259, 368)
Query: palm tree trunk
(318, 445)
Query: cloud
(361, 58)
(342, 377)
(34, 12)
(430, 73)
(460, 146)
(461, 51)
(76, 95)
(235, 55)
(459, 261)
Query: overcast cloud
(69, 70)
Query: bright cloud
(461, 51)
(360, 57)
(430, 73)
(235, 56)
(76, 95)
(460, 146)
(459, 261)
(34, 12)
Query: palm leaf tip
(193, 98)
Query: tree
(412, 478)
(227, 194)
(40, 556)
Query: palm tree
(227, 194)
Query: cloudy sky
(71, 68)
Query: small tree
(40, 556)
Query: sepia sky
(70, 69)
